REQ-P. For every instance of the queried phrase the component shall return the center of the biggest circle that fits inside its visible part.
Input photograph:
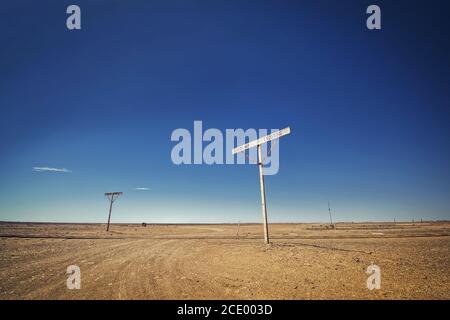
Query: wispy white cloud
(47, 169)
(142, 189)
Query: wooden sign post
(258, 143)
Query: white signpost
(258, 143)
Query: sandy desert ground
(304, 261)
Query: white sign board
(262, 140)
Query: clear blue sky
(369, 110)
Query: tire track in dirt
(48, 273)
(139, 278)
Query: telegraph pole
(329, 211)
(112, 196)
(237, 233)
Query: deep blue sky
(369, 110)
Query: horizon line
(218, 223)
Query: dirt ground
(304, 261)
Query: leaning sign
(262, 140)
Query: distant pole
(112, 196)
(329, 211)
(109, 216)
(237, 233)
(263, 196)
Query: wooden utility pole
(263, 196)
(258, 143)
(112, 196)
(329, 211)
(237, 233)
